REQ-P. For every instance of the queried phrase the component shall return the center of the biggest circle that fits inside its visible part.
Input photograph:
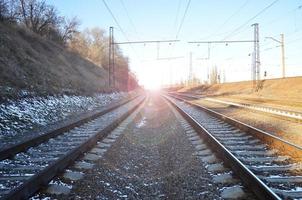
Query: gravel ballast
(152, 159)
(289, 130)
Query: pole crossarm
(147, 41)
(171, 58)
(280, 42)
(222, 41)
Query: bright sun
(150, 82)
(150, 76)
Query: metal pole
(113, 64)
(256, 63)
(209, 49)
(283, 55)
(190, 69)
(109, 56)
(281, 42)
(157, 57)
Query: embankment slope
(30, 64)
(287, 89)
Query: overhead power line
(226, 21)
(147, 41)
(183, 19)
(270, 48)
(121, 29)
(128, 16)
(115, 20)
(234, 14)
(281, 17)
(222, 41)
(181, 23)
(251, 19)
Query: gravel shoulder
(152, 159)
(23, 120)
(261, 101)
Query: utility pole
(109, 57)
(256, 61)
(190, 69)
(157, 46)
(256, 55)
(111, 69)
(283, 55)
(281, 42)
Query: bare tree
(8, 10)
(92, 44)
(69, 29)
(214, 75)
(38, 16)
(3, 10)
(80, 44)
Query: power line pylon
(256, 58)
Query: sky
(205, 20)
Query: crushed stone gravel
(152, 159)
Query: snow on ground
(19, 117)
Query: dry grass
(285, 92)
(30, 62)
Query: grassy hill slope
(31, 64)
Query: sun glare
(152, 86)
(150, 81)
(150, 76)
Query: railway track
(270, 110)
(57, 129)
(268, 165)
(32, 164)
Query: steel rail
(265, 109)
(57, 130)
(289, 148)
(34, 183)
(261, 190)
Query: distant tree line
(44, 20)
(93, 45)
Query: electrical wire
(227, 20)
(183, 19)
(128, 16)
(249, 20)
(115, 20)
(177, 15)
(270, 48)
(234, 14)
(121, 29)
(181, 23)
(282, 16)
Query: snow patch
(19, 117)
(141, 123)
